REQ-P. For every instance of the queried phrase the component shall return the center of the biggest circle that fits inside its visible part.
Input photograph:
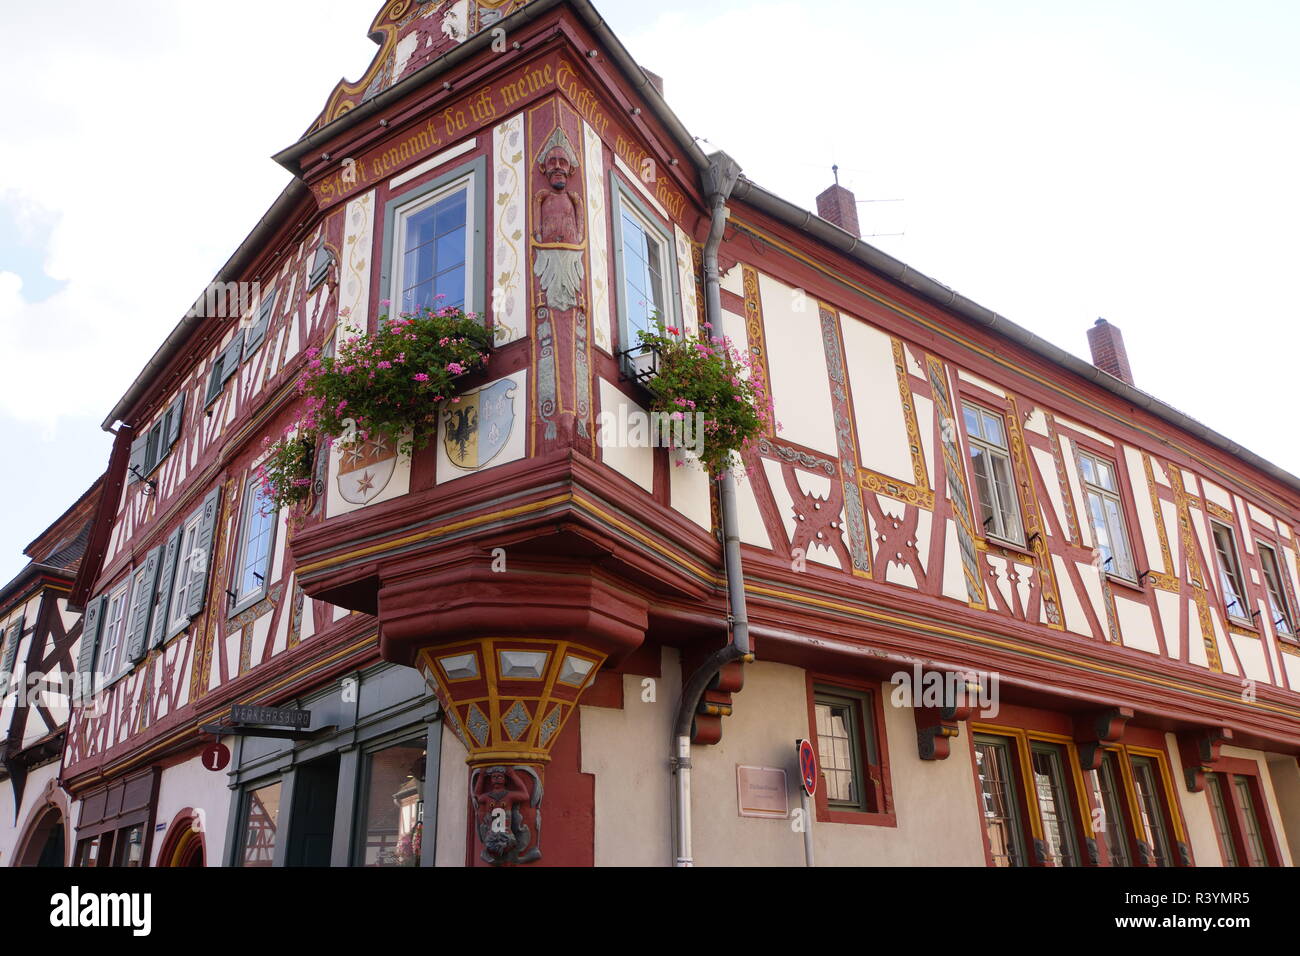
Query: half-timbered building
(1027, 613)
(41, 632)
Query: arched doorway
(183, 845)
(44, 844)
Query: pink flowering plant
(285, 473)
(391, 382)
(711, 378)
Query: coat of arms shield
(365, 469)
(475, 429)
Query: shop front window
(261, 816)
(392, 818)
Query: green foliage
(709, 378)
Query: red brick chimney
(1108, 354)
(838, 206)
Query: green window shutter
(203, 559)
(258, 332)
(320, 267)
(136, 466)
(91, 624)
(12, 640)
(166, 576)
(146, 584)
(175, 415)
(215, 381)
(230, 360)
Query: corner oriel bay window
(994, 478)
(1230, 577)
(1106, 514)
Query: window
(433, 255)
(254, 555)
(1219, 810)
(1106, 786)
(1279, 606)
(392, 823)
(998, 795)
(643, 274)
(1236, 807)
(261, 817)
(852, 788)
(152, 448)
(1254, 837)
(1055, 796)
(129, 847)
(1230, 578)
(1101, 490)
(994, 478)
(1152, 809)
(180, 599)
(224, 366)
(643, 265)
(115, 631)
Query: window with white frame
(994, 476)
(644, 266)
(257, 536)
(433, 251)
(114, 636)
(184, 571)
(1230, 577)
(1106, 514)
(1279, 606)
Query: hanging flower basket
(710, 386)
(391, 382)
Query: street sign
(807, 766)
(276, 716)
(215, 757)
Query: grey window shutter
(135, 466)
(91, 624)
(12, 640)
(258, 332)
(203, 559)
(215, 380)
(320, 267)
(175, 415)
(146, 582)
(230, 358)
(166, 576)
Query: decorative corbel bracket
(1095, 729)
(1199, 750)
(938, 723)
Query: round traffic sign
(215, 756)
(808, 767)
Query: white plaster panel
(796, 365)
(878, 409)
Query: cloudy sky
(1056, 162)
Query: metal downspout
(719, 179)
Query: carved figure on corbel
(1093, 730)
(507, 813)
(1200, 751)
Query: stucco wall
(627, 750)
(192, 785)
